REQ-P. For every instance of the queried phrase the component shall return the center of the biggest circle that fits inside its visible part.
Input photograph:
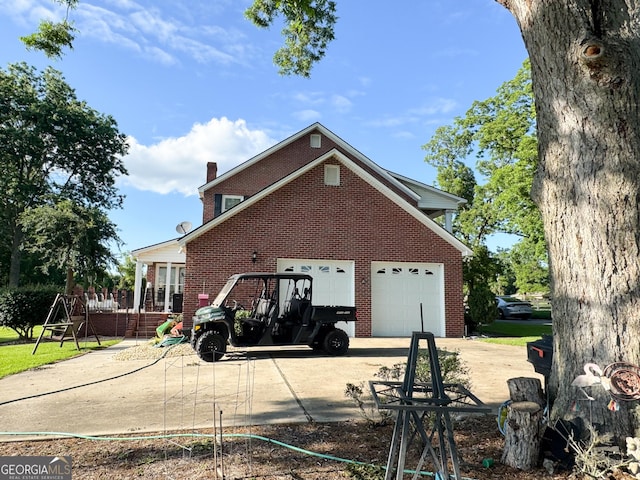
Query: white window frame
(315, 140)
(223, 206)
(176, 282)
(332, 175)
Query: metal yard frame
(423, 406)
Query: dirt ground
(477, 438)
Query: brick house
(314, 204)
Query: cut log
(526, 389)
(522, 435)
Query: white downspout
(167, 287)
(137, 285)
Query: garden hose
(435, 475)
(44, 394)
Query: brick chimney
(212, 171)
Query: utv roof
(282, 276)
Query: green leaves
(51, 38)
(500, 132)
(53, 148)
(309, 27)
(22, 309)
(67, 234)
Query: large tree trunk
(16, 256)
(585, 65)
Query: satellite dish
(183, 228)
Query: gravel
(150, 351)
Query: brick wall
(276, 166)
(306, 219)
(112, 324)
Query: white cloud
(179, 164)
(341, 103)
(153, 34)
(309, 98)
(436, 107)
(307, 115)
(161, 56)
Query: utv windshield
(219, 300)
(242, 291)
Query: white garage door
(398, 289)
(332, 283)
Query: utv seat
(297, 308)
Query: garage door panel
(397, 291)
(333, 282)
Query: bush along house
(314, 204)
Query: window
(316, 141)
(229, 201)
(176, 283)
(332, 175)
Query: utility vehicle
(258, 309)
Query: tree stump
(523, 431)
(526, 389)
(522, 435)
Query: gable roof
(431, 198)
(326, 132)
(355, 168)
(168, 251)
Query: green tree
(52, 37)
(307, 32)
(70, 236)
(584, 56)
(127, 272)
(500, 133)
(53, 147)
(480, 273)
(586, 185)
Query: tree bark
(522, 435)
(526, 389)
(585, 61)
(16, 257)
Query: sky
(193, 82)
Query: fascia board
(258, 157)
(407, 207)
(255, 198)
(326, 132)
(438, 205)
(362, 173)
(431, 189)
(367, 161)
(150, 248)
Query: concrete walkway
(98, 395)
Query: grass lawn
(512, 333)
(15, 358)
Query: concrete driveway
(98, 395)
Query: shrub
(366, 406)
(482, 305)
(23, 308)
(452, 369)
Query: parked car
(511, 307)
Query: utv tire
(336, 342)
(211, 346)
